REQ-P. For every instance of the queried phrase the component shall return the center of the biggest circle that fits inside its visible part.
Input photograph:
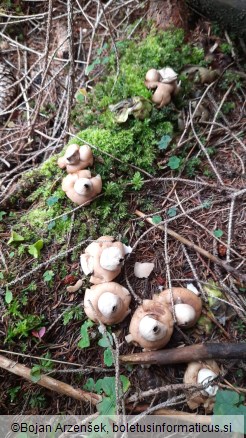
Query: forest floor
(180, 166)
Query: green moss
(117, 148)
(157, 50)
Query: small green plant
(85, 338)
(37, 401)
(106, 342)
(35, 249)
(75, 312)
(2, 214)
(171, 212)
(20, 324)
(44, 367)
(228, 107)
(192, 166)
(218, 233)
(15, 238)
(137, 181)
(174, 162)
(230, 403)
(13, 392)
(225, 48)
(106, 386)
(48, 276)
(164, 142)
(8, 296)
(240, 326)
(156, 219)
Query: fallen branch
(188, 354)
(49, 382)
(197, 248)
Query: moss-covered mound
(124, 156)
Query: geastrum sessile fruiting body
(202, 373)
(187, 305)
(164, 85)
(104, 259)
(81, 187)
(151, 326)
(76, 158)
(107, 303)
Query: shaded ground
(202, 198)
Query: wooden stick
(197, 248)
(188, 354)
(49, 382)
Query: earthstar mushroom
(81, 187)
(164, 83)
(151, 326)
(107, 303)
(76, 158)
(187, 305)
(202, 373)
(104, 259)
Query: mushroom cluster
(106, 301)
(164, 85)
(79, 185)
(152, 323)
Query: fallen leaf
(76, 286)
(39, 334)
(69, 279)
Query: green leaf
(48, 275)
(80, 97)
(164, 142)
(85, 340)
(107, 406)
(107, 385)
(12, 254)
(8, 296)
(1, 276)
(230, 403)
(108, 357)
(36, 373)
(105, 60)
(156, 219)
(218, 233)
(52, 200)
(125, 383)
(172, 212)
(51, 225)
(228, 397)
(90, 385)
(207, 203)
(174, 162)
(2, 213)
(35, 249)
(15, 238)
(106, 340)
